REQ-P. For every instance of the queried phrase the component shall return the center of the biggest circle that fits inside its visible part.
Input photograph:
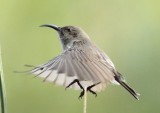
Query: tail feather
(118, 77)
(130, 90)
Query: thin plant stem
(2, 87)
(85, 101)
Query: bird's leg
(90, 87)
(74, 81)
(77, 81)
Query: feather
(75, 63)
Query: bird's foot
(89, 88)
(81, 94)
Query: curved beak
(52, 26)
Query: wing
(82, 63)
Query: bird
(81, 65)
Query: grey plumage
(81, 60)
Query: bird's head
(69, 34)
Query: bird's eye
(69, 30)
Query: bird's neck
(73, 44)
(69, 44)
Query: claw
(81, 95)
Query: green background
(127, 30)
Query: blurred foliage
(127, 30)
